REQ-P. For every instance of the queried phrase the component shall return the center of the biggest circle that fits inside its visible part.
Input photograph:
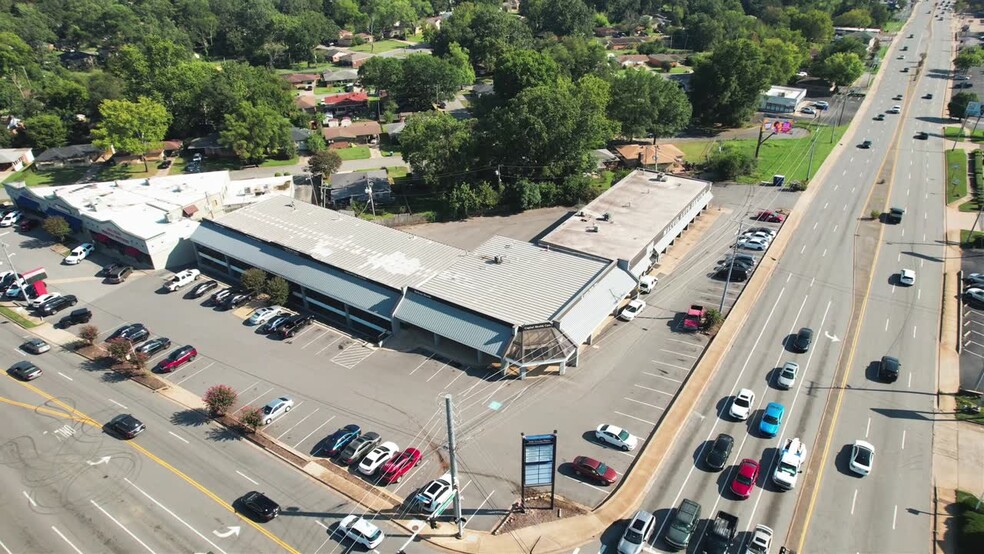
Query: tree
(522, 69)
(381, 73)
(644, 103)
(88, 334)
(56, 226)
(560, 17)
(726, 85)
(958, 103)
(858, 17)
(969, 57)
(842, 68)
(139, 359)
(219, 399)
(427, 80)
(315, 143)
(133, 127)
(702, 33)
(45, 131)
(731, 162)
(65, 97)
(437, 146)
(782, 58)
(579, 56)
(385, 14)
(14, 53)
(119, 350)
(324, 163)
(484, 31)
(278, 289)
(253, 280)
(251, 418)
(256, 133)
(815, 25)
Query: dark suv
(135, 332)
(294, 325)
(236, 300)
(58, 304)
(889, 368)
(684, 523)
(717, 456)
(127, 425)
(81, 315)
(803, 339)
(261, 505)
(119, 274)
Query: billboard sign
(539, 460)
(778, 126)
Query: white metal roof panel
(461, 326)
(598, 302)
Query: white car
(276, 408)
(436, 492)
(79, 253)
(360, 531)
(895, 109)
(761, 541)
(975, 279)
(616, 436)
(262, 315)
(808, 110)
(379, 456)
(907, 277)
(742, 405)
(753, 244)
(787, 375)
(748, 235)
(36, 303)
(10, 218)
(647, 283)
(862, 457)
(632, 309)
(975, 294)
(181, 279)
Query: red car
(771, 217)
(27, 224)
(178, 358)
(744, 481)
(594, 470)
(400, 465)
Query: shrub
(251, 418)
(219, 399)
(57, 227)
(730, 162)
(712, 320)
(278, 289)
(253, 280)
(88, 334)
(120, 350)
(875, 214)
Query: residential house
(360, 132)
(605, 32)
(335, 54)
(632, 60)
(681, 79)
(15, 159)
(366, 38)
(604, 159)
(346, 102)
(666, 61)
(299, 137)
(75, 155)
(78, 60)
(307, 103)
(303, 81)
(394, 129)
(350, 188)
(665, 157)
(434, 22)
(345, 37)
(341, 77)
(210, 146)
(623, 43)
(356, 59)
(171, 147)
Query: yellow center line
(79, 416)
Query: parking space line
(585, 484)
(687, 369)
(436, 372)
(314, 339)
(421, 364)
(195, 373)
(679, 353)
(661, 376)
(688, 343)
(186, 366)
(654, 390)
(463, 371)
(250, 403)
(635, 418)
(313, 432)
(299, 422)
(329, 344)
(643, 403)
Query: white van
(647, 283)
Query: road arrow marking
(831, 337)
(234, 530)
(103, 460)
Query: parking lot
(972, 329)
(627, 377)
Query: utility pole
(454, 467)
(372, 204)
(731, 266)
(841, 114)
(23, 283)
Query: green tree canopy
(726, 85)
(969, 57)
(560, 17)
(644, 103)
(782, 58)
(815, 25)
(256, 133)
(437, 146)
(485, 31)
(578, 56)
(958, 103)
(46, 131)
(518, 70)
(133, 127)
(842, 68)
(858, 17)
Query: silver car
(276, 408)
(637, 533)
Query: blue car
(772, 419)
(337, 442)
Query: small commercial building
(15, 159)
(781, 99)
(635, 221)
(353, 188)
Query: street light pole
(23, 287)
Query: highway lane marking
(662, 376)
(64, 538)
(118, 404)
(679, 353)
(185, 523)
(315, 431)
(886, 323)
(924, 237)
(303, 419)
(250, 403)
(422, 364)
(909, 385)
(913, 331)
(867, 428)
(903, 439)
(180, 438)
(815, 225)
(65, 376)
(655, 390)
(835, 227)
(824, 253)
(845, 173)
(825, 204)
(844, 209)
(903, 232)
(803, 249)
(635, 418)
(893, 288)
(671, 365)
(899, 258)
(921, 262)
(5, 549)
(852, 190)
(643, 403)
(811, 281)
(895, 515)
(123, 527)
(788, 277)
(854, 501)
(195, 373)
(29, 499)
(243, 475)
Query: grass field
(380, 46)
(17, 318)
(892, 26)
(50, 177)
(966, 238)
(119, 172)
(354, 153)
(956, 175)
(279, 163)
(958, 133)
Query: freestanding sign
(973, 109)
(539, 464)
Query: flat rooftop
(640, 208)
(378, 253)
(513, 281)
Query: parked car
(25, 370)
(57, 304)
(276, 408)
(744, 481)
(36, 302)
(632, 309)
(127, 425)
(234, 301)
(683, 525)
(737, 274)
(7, 278)
(394, 470)
(274, 324)
(808, 110)
(803, 340)
(164, 164)
(360, 531)
(181, 279)
(769, 216)
(75, 317)
(294, 325)
(378, 456)
(10, 218)
(178, 358)
(436, 493)
(975, 294)
(616, 436)
(862, 457)
(262, 315)
(202, 288)
(36, 346)
(135, 332)
(337, 441)
(219, 297)
(772, 419)
(637, 533)
(79, 253)
(359, 447)
(153, 346)
(119, 274)
(594, 470)
(786, 377)
(261, 505)
(753, 244)
(742, 405)
(719, 452)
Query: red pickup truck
(694, 319)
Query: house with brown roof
(301, 80)
(361, 131)
(668, 61)
(355, 59)
(306, 103)
(623, 43)
(345, 102)
(345, 37)
(605, 31)
(630, 60)
(665, 157)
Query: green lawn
(354, 153)
(17, 318)
(380, 46)
(969, 529)
(966, 240)
(51, 177)
(120, 172)
(694, 151)
(303, 67)
(958, 133)
(892, 26)
(397, 172)
(956, 175)
(279, 163)
(328, 90)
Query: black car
(865, 144)
(894, 215)
(340, 439)
(236, 300)
(119, 274)
(165, 164)
(261, 505)
(8, 280)
(153, 346)
(219, 297)
(737, 264)
(201, 289)
(294, 325)
(135, 332)
(736, 274)
(274, 324)
(717, 456)
(127, 425)
(25, 370)
(109, 269)
(81, 315)
(58, 304)
(889, 368)
(359, 448)
(922, 135)
(803, 339)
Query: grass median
(956, 175)
(17, 318)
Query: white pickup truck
(181, 279)
(791, 460)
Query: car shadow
(787, 343)
(724, 478)
(934, 120)
(698, 455)
(770, 378)
(721, 408)
(843, 461)
(768, 462)
(871, 371)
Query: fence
(401, 220)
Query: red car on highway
(594, 470)
(744, 481)
(771, 217)
(178, 358)
(400, 465)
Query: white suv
(435, 493)
(360, 531)
(276, 408)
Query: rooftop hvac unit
(594, 229)
(661, 177)
(499, 259)
(606, 217)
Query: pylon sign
(539, 463)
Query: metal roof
(532, 284)
(598, 302)
(377, 253)
(461, 326)
(308, 273)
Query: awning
(26, 203)
(462, 326)
(597, 303)
(189, 210)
